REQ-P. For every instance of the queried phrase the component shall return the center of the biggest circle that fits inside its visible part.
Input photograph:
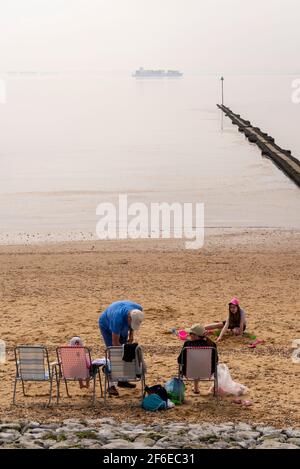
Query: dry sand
(51, 292)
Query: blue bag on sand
(153, 402)
(175, 388)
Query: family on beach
(121, 319)
(124, 362)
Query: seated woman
(236, 321)
(197, 339)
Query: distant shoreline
(245, 235)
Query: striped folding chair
(32, 364)
(75, 364)
(116, 369)
(200, 364)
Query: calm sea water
(71, 141)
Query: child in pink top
(77, 342)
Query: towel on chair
(129, 352)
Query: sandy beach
(51, 292)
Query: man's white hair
(137, 318)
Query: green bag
(175, 388)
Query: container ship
(143, 73)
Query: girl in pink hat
(236, 321)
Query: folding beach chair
(32, 364)
(116, 369)
(200, 363)
(74, 364)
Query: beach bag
(175, 388)
(226, 385)
(159, 390)
(153, 402)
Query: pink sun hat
(234, 301)
(182, 334)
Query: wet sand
(51, 292)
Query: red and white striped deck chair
(200, 364)
(75, 364)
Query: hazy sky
(193, 35)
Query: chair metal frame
(59, 373)
(123, 377)
(21, 375)
(213, 375)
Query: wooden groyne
(282, 158)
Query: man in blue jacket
(117, 325)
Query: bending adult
(117, 325)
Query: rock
(278, 437)
(8, 437)
(293, 433)
(193, 436)
(29, 444)
(91, 435)
(227, 437)
(10, 426)
(130, 435)
(108, 420)
(127, 426)
(90, 443)
(142, 441)
(272, 433)
(65, 445)
(37, 431)
(71, 428)
(163, 444)
(243, 427)
(49, 426)
(262, 429)
(108, 434)
(294, 441)
(273, 444)
(155, 435)
(119, 444)
(38, 436)
(246, 444)
(224, 428)
(33, 424)
(206, 436)
(29, 426)
(157, 428)
(220, 445)
(46, 443)
(72, 421)
(239, 436)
